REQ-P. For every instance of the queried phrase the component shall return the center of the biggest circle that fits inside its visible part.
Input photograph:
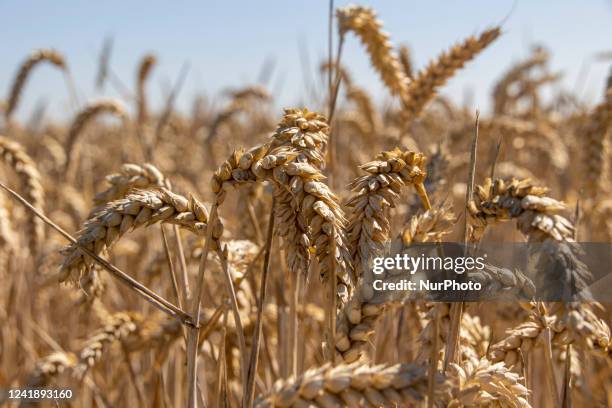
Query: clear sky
(227, 42)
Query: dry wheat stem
(254, 353)
(8, 242)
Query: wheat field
(220, 257)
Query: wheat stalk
(147, 64)
(7, 236)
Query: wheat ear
(581, 326)
(141, 208)
(119, 326)
(355, 385)
(501, 92)
(85, 116)
(309, 217)
(144, 70)
(15, 156)
(130, 176)
(482, 383)
(423, 88)
(357, 319)
(538, 220)
(51, 56)
(363, 22)
(373, 194)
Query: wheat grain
(406, 61)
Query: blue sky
(227, 42)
